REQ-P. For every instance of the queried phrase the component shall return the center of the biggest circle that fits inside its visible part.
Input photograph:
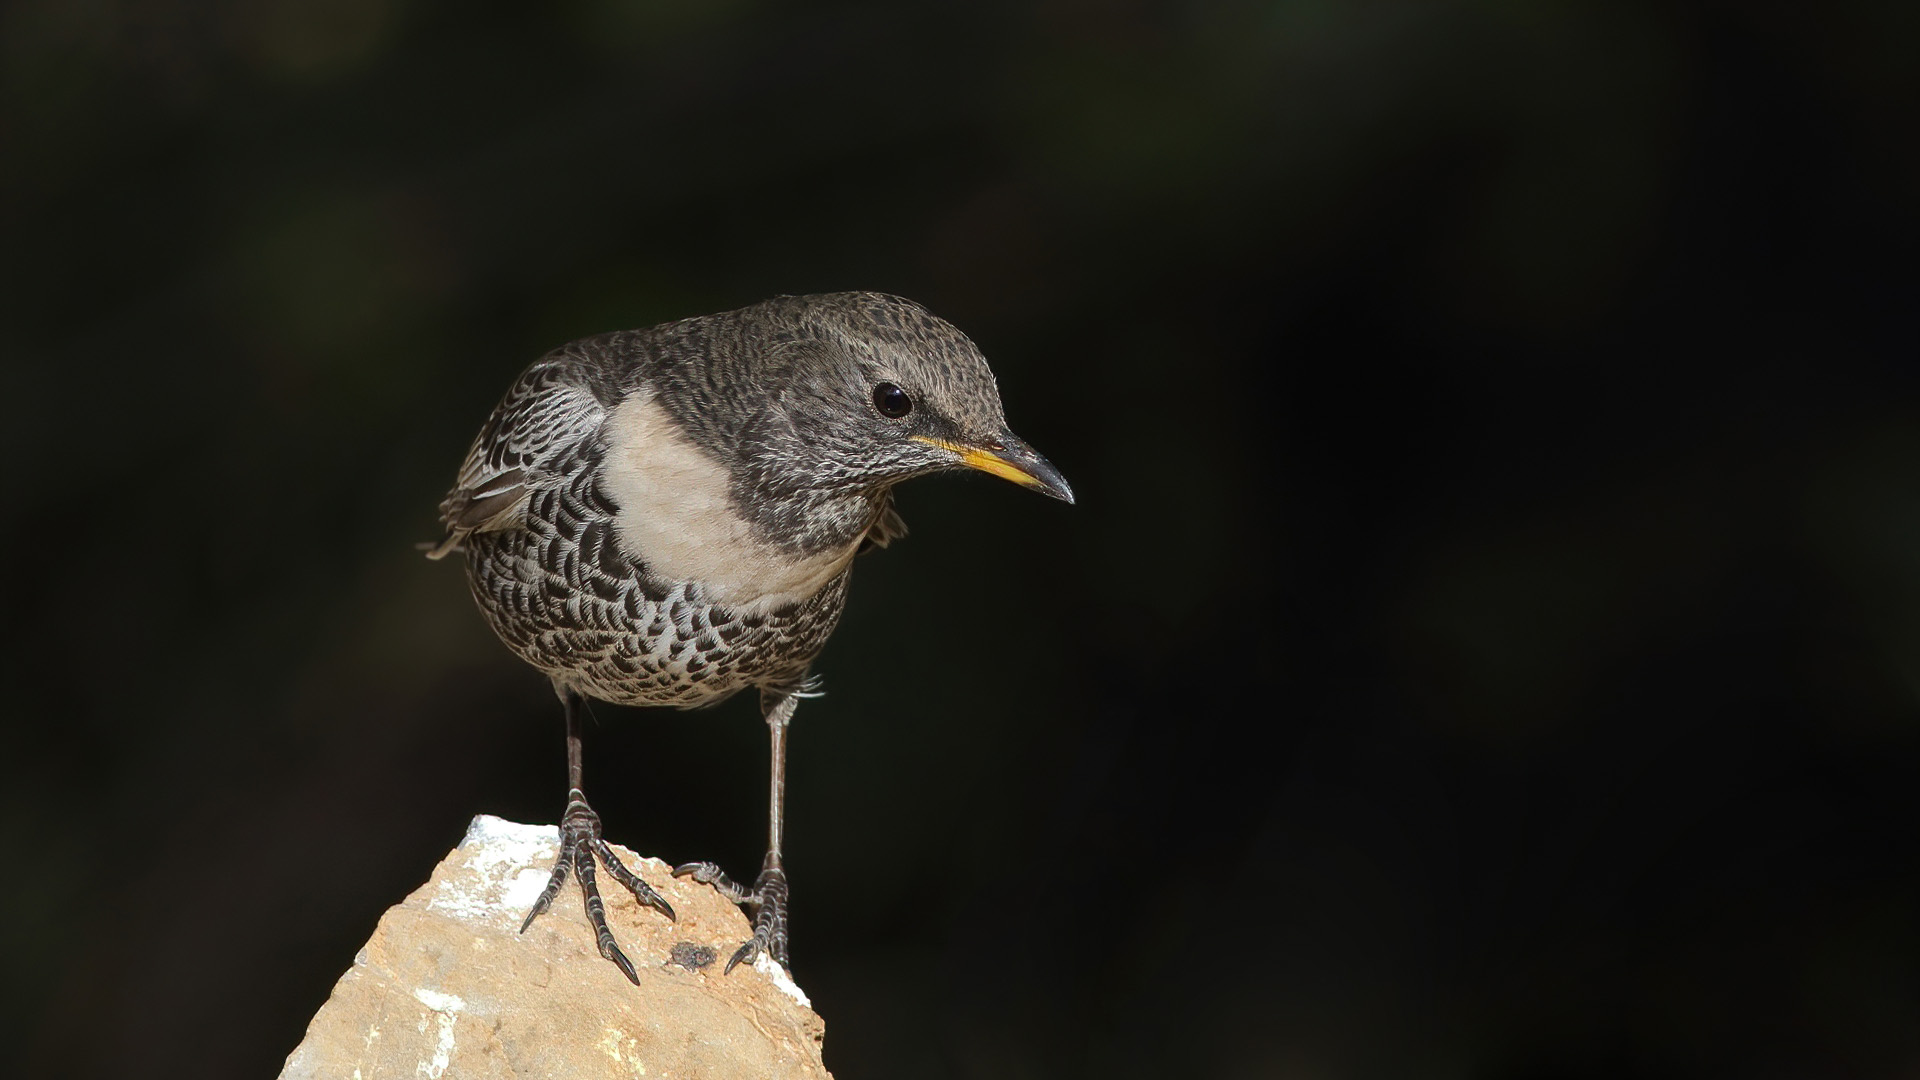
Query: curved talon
(745, 954)
(612, 952)
(557, 879)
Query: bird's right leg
(580, 845)
(768, 897)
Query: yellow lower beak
(1010, 460)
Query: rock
(449, 987)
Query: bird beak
(1008, 458)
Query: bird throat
(677, 515)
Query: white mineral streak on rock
(767, 966)
(503, 856)
(445, 1007)
(623, 1049)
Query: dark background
(1487, 643)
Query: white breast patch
(675, 515)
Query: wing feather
(547, 413)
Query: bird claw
(746, 953)
(707, 873)
(641, 891)
(768, 901)
(580, 846)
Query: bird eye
(892, 401)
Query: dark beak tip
(1047, 479)
(1040, 474)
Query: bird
(669, 517)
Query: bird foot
(580, 845)
(767, 900)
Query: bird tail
(441, 549)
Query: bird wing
(547, 415)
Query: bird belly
(623, 640)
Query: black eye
(892, 401)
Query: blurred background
(1487, 643)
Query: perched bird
(668, 517)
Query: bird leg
(768, 897)
(580, 845)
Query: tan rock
(448, 987)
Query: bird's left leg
(768, 897)
(580, 845)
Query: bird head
(874, 390)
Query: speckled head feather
(784, 388)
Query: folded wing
(547, 413)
